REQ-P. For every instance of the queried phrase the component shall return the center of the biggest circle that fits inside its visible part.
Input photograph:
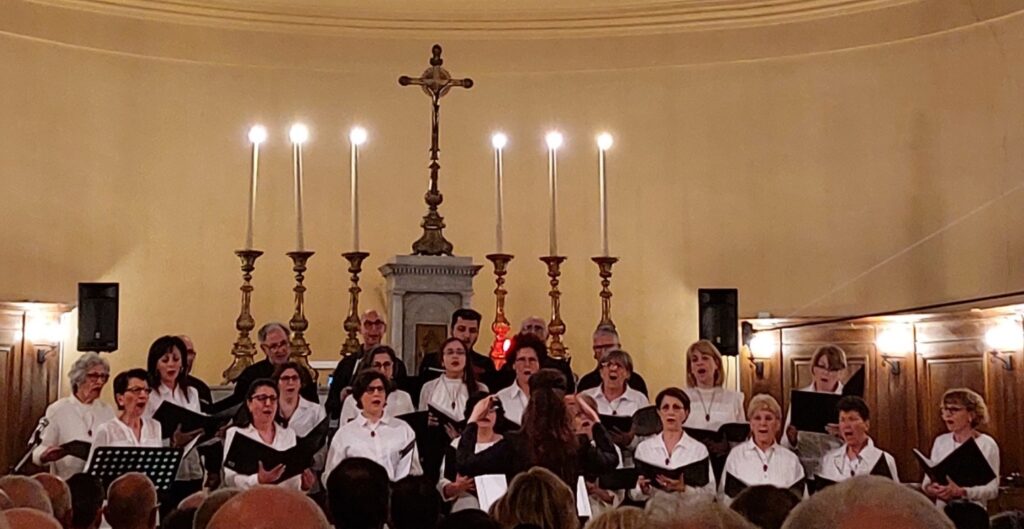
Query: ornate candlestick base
(604, 265)
(355, 266)
(298, 324)
(500, 326)
(556, 328)
(244, 350)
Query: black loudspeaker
(97, 316)
(719, 318)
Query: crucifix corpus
(435, 82)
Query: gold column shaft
(243, 350)
(355, 266)
(556, 327)
(298, 324)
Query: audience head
(60, 497)
(827, 366)
(415, 503)
(963, 408)
(967, 515)
(3, 519)
(5, 501)
(26, 518)
(469, 519)
(384, 359)
(269, 507)
(466, 326)
(673, 405)
(620, 518)
(536, 326)
(274, 342)
(179, 519)
(260, 403)
(765, 506)
(765, 417)
(26, 492)
(372, 327)
(704, 365)
(605, 339)
(291, 378)
(190, 352)
(854, 420)
(526, 355)
(131, 390)
(693, 512)
(167, 363)
(616, 367)
(537, 497)
(370, 390)
(213, 502)
(357, 494)
(192, 501)
(86, 501)
(867, 502)
(131, 502)
(88, 375)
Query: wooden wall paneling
(1004, 391)
(11, 333)
(770, 382)
(894, 420)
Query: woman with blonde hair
(537, 497)
(713, 405)
(963, 412)
(760, 460)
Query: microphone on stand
(36, 436)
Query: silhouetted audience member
(765, 506)
(131, 502)
(469, 519)
(693, 512)
(60, 497)
(213, 502)
(415, 503)
(86, 501)
(867, 502)
(179, 519)
(620, 518)
(357, 494)
(29, 518)
(967, 515)
(26, 492)
(269, 507)
(537, 497)
(5, 501)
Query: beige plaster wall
(818, 179)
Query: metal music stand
(160, 465)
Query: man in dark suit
(606, 339)
(371, 328)
(464, 325)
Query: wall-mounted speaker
(719, 318)
(97, 316)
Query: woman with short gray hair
(76, 417)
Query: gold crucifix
(435, 82)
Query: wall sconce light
(45, 336)
(762, 345)
(1002, 340)
(894, 343)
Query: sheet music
(489, 488)
(582, 499)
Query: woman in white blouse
(131, 427)
(389, 442)
(828, 364)
(672, 448)
(713, 405)
(760, 460)
(382, 358)
(294, 411)
(858, 455)
(963, 411)
(76, 417)
(258, 422)
(450, 392)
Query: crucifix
(435, 82)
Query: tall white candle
(356, 137)
(554, 141)
(498, 141)
(298, 134)
(604, 142)
(257, 135)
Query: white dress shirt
(70, 420)
(688, 450)
(811, 446)
(117, 433)
(777, 466)
(837, 465)
(624, 405)
(982, 494)
(381, 442)
(513, 402)
(464, 500)
(284, 438)
(448, 395)
(191, 467)
(723, 406)
(305, 417)
(398, 403)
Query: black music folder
(171, 416)
(246, 454)
(693, 475)
(819, 483)
(734, 486)
(811, 411)
(79, 449)
(159, 464)
(621, 423)
(966, 466)
(734, 432)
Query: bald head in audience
(213, 502)
(693, 512)
(867, 502)
(60, 497)
(27, 518)
(5, 501)
(131, 502)
(26, 492)
(269, 507)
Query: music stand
(160, 465)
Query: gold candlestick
(500, 327)
(355, 266)
(298, 324)
(604, 265)
(244, 350)
(556, 327)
